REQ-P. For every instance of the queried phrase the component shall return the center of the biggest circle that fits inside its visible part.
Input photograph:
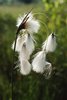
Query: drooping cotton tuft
(25, 67)
(38, 62)
(24, 53)
(50, 44)
(31, 25)
(19, 43)
(29, 44)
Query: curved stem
(13, 63)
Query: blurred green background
(53, 14)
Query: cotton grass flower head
(26, 48)
(50, 44)
(19, 43)
(25, 67)
(29, 43)
(24, 53)
(30, 24)
(38, 62)
(40, 65)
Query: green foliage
(35, 86)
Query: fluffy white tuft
(31, 25)
(50, 44)
(21, 18)
(38, 62)
(29, 43)
(24, 53)
(25, 67)
(19, 43)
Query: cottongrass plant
(27, 25)
(25, 46)
(39, 63)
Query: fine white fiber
(25, 67)
(38, 62)
(29, 43)
(24, 53)
(19, 43)
(31, 25)
(50, 44)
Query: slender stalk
(13, 63)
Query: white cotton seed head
(38, 62)
(25, 67)
(24, 54)
(31, 25)
(21, 18)
(19, 43)
(29, 44)
(47, 70)
(50, 44)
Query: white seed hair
(50, 44)
(38, 62)
(31, 26)
(19, 43)
(29, 43)
(25, 67)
